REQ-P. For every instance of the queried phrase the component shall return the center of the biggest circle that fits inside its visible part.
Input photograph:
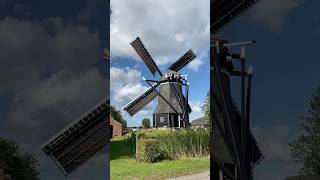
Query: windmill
(172, 109)
(234, 150)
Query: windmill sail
(183, 61)
(225, 11)
(79, 141)
(145, 56)
(141, 101)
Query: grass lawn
(124, 166)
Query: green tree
(145, 123)
(17, 166)
(205, 108)
(306, 148)
(116, 115)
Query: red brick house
(116, 128)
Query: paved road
(199, 176)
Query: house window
(162, 119)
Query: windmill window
(162, 119)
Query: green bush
(185, 143)
(148, 150)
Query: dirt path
(198, 176)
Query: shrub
(185, 143)
(148, 150)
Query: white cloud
(61, 88)
(273, 13)
(120, 77)
(196, 106)
(167, 28)
(128, 92)
(49, 67)
(195, 64)
(125, 85)
(274, 142)
(144, 112)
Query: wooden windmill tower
(172, 109)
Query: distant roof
(113, 120)
(201, 121)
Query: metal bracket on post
(186, 103)
(243, 52)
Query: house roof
(201, 121)
(112, 120)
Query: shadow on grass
(120, 148)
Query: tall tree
(17, 166)
(116, 115)
(205, 108)
(145, 123)
(306, 148)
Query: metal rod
(238, 43)
(249, 166)
(186, 104)
(243, 106)
(152, 81)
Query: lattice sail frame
(80, 140)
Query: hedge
(148, 150)
(178, 144)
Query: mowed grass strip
(124, 166)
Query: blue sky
(168, 31)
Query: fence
(133, 140)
